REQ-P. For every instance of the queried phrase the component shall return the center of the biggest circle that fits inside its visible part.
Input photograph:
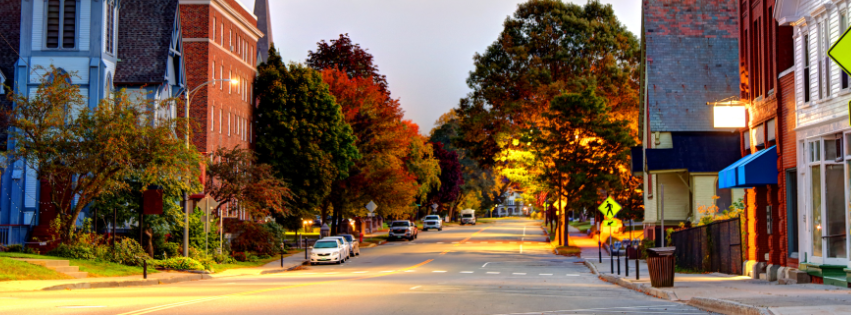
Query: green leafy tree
(84, 154)
(301, 131)
(583, 147)
(234, 177)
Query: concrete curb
(727, 307)
(643, 287)
(122, 284)
(266, 272)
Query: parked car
(347, 246)
(432, 222)
(327, 251)
(403, 229)
(355, 245)
(468, 217)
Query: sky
(424, 47)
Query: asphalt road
(498, 268)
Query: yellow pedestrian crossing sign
(609, 223)
(609, 208)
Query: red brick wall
(787, 150)
(213, 105)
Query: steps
(61, 266)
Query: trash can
(660, 263)
(324, 231)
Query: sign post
(609, 208)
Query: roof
(10, 28)
(145, 31)
(696, 152)
(264, 23)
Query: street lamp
(188, 96)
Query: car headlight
(335, 253)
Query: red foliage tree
(349, 57)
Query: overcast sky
(425, 47)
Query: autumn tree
(342, 54)
(450, 176)
(301, 131)
(546, 48)
(584, 148)
(235, 178)
(84, 154)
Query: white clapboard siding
(78, 66)
(85, 23)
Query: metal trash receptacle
(660, 263)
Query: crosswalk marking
(493, 272)
(572, 275)
(439, 271)
(545, 274)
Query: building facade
(513, 205)
(823, 136)
(689, 57)
(11, 227)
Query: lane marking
(466, 272)
(439, 271)
(524, 231)
(493, 272)
(521, 249)
(410, 270)
(416, 287)
(545, 274)
(519, 273)
(444, 252)
(359, 272)
(572, 275)
(195, 301)
(485, 264)
(82, 306)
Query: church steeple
(264, 23)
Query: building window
(771, 133)
(230, 86)
(110, 27)
(2, 82)
(220, 120)
(806, 52)
(230, 39)
(214, 29)
(221, 76)
(823, 57)
(214, 74)
(212, 118)
(61, 23)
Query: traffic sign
(434, 207)
(840, 52)
(609, 208)
(609, 223)
(371, 206)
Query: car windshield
(348, 237)
(432, 217)
(467, 215)
(400, 223)
(328, 244)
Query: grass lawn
(373, 240)
(95, 269)
(261, 262)
(568, 251)
(18, 270)
(582, 226)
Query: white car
(327, 251)
(432, 222)
(344, 241)
(355, 244)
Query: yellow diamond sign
(609, 208)
(840, 52)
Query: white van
(468, 216)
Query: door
(833, 225)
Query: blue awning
(753, 170)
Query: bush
(240, 256)
(179, 263)
(15, 248)
(127, 252)
(257, 238)
(223, 258)
(76, 251)
(170, 249)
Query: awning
(753, 170)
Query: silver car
(355, 244)
(348, 246)
(432, 222)
(327, 251)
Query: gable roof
(145, 32)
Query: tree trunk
(149, 244)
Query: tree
(584, 148)
(83, 153)
(235, 178)
(301, 131)
(422, 162)
(450, 176)
(546, 48)
(348, 57)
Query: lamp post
(188, 96)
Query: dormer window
(61, 24)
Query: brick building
(823, 135)
(220, 38)
(768, 91)
(689, 57)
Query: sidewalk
(162, 277)
(722, 293)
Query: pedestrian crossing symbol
(609, 208)
(609, 223)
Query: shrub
(15, 248)
(2, 248)
(240, 256)
(179, 263)
(75, 251)
(223, 258)
(127, 252)
(170, 249)
(257, 238)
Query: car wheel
(340, 261)
(440, 229)
(425, 230)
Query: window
(222, 32)
(229, 115)
(214, 29)
(214, 73)
(212, 117)
(814, 152)
(250, 132)
(2, 81)
(110, 27)
(747, 140)
(771, 26)
(792, 212)
(770, 130)
(61, 23)
(806, 53)
(758, 136)
(220, 120)
(230, 86)
(221, 76)
(815, 182)
(230, 39)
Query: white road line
(519, 273)
(524, 231)
(388, 270)
(521, 249)
(485, 264)
(572, 275)
(409, 270)
(439, 271)
(545, 274)
(493, 272)
(414, 288)
(466, 272)
(359, 272)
